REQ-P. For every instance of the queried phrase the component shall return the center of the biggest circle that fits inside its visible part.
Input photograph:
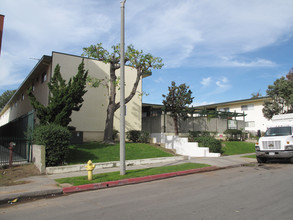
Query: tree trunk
(108, 133)
(176, 125)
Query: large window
(278, 131)
(44, 77)
(247, 107)
(250, 124)
(227, 109)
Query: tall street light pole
(122, 93)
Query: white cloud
(206, 81)
(223, 83)
(186, 32)
(258, 62)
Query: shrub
(115, 134)
(144, 137)
(56, 139)
(195, 134)
(213, 144)
(138, 136)
(233, 134)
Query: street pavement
(46, 186)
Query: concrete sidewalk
(45, 185)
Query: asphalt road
(254, 192)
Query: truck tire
(261, 159)
(291, 159)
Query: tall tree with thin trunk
(176, 103)
(143, 63)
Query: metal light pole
(122, 94)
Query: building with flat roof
(252, 108)
(90, 120)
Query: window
(33, 87)
(22, 97)
(227, 109)
(247, 107)
(250, 124)
(232, 124)
(278, 131)
(44, 77)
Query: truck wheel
(291, 159)
(261, 160)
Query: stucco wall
(92, 116)
(156, 124)
(39, 157)
(252, 115)
(20, 104)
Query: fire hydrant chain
(90, 167)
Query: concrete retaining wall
(182, 146)
(39, 157)
(81, 167)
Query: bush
(213, 144)
(234, 134)
(115, 134)
(56, 139)
(138, 136)
(144, 137)
(195, 134)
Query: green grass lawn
(251, 156)
(238, 147)
(98, 152)
(105, 177)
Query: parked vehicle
(277, 141)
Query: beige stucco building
(254, 119)
(92, 116)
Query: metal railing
(21, 151)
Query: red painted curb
(92, 186)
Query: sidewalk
(45, 185)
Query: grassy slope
(238, 147)
(98, 152)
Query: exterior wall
(254, 114)
(20, 103)
(156, 124)
(39, 157)
(92, 116)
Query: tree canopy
(5, 97)
(177, 101)
(281, 94)
(63, 99)
(143, 63)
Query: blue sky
(224, 50)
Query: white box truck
(277, 142)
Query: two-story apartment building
(91, 118)
(252, 108)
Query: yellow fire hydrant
(90, 167)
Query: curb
(30, 195)
(103, 185)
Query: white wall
(182, 146)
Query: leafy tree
(281, 94)
(63, 99)
(176, 102)
(256, 95)
(5, 97)
(143, 63)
